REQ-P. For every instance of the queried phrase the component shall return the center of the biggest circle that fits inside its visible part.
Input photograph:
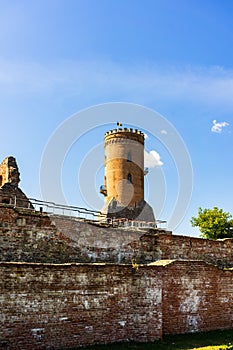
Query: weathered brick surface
(10, 193)
(49, 306)
(9, 172)
(26, 235)
(218, 252)
(196, 297)
(64, 306)
(31, 237)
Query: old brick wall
(31, 236)
(26, 235)
(196, 297)
(178, 247)
(119, 245)
(63, 306)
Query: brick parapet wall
(31, 236)
(48, 306)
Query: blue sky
(174, 57)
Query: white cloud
(217, 126)
(152, 159)
(164, 132)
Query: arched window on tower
(130, 179)
(129, 157)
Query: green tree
(213, 223)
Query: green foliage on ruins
(213, 223)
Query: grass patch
(218, 340)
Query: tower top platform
(126, 133)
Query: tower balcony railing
(103, 190)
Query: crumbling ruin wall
(9, 172)
(10, 193)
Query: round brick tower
(124, 175)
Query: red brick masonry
(30, 236)
(48, 306)
(63, 283)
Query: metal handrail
(53, 208)
(44, 206)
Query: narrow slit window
(129, 178)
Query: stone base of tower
(141, 212)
